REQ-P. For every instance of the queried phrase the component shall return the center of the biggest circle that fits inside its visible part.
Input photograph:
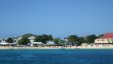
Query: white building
(3, 43)
(50, 43)
(36, 44)
(31, 38)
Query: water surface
(57, 56)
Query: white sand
(59, 47)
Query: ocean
(56, 56)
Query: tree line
(71, 39)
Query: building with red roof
(106, 39)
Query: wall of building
(109, 40)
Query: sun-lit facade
(106, 39)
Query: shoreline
(3, 48)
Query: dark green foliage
(23, 41)
(0, 41)
(28, 35)
(80, 41)
(38, 38)
(73, 39)
(10, 40)
(101, 35)
(43, 38)
(90, 39)
(57, 41)
(47, 37)
(62, 43)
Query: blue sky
(57, 17)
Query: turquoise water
(56, 56)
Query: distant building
(50, 43)
(65, 39)
(106, 39)
(36, 44)
(3, 43)
(32, 38)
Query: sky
(57, 17)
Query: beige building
(106, 39)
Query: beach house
(31, 38)
(50, 43)
(3, 43)
(106, 39)
(36, 44)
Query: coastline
(74, 47)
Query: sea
(56, 56)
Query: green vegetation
(90, 39)
(80, 41)
(70, 40)
(101, 35)
(73, 39)
(28, 35)
(23, 41)
(58, 41)
(43, 38)
(10, 40)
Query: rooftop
(108, 35)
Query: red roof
(108, 35)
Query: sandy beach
(58, 47)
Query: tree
(10, 40)
(0, 41)
(50, 37)
(43, 38)
(38, 38)
(24, 41)
(62, 43)
(73, 39)
(80, 41)
(112, 41)
(90, 39)
(28, 35)
(57, 41)
(47, 37)
(101, 35)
